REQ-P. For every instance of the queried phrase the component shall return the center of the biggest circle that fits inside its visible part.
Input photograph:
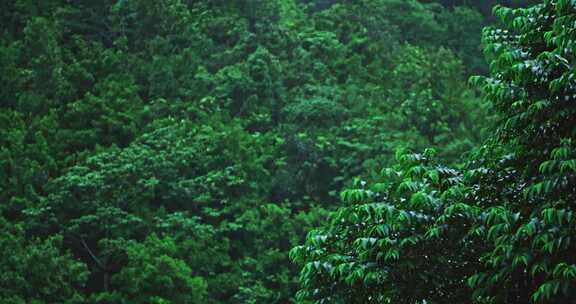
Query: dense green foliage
(175, 151)
(500, 228)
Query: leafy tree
(398, 240)
(154, 275)
(28, 159)
(503, 225)
(36, 270)
(530, 225)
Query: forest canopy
(287, 151)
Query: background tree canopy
(175, 151)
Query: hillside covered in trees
(287, 151)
